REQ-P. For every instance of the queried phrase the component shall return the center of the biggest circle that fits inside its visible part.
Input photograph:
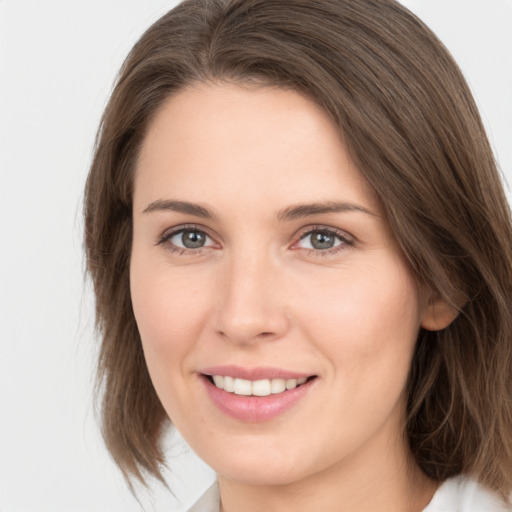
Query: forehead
(271, 140)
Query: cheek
(366, 323)
(170, 311)
(366, 327)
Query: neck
(380, 476)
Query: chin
(260, 467)
(267, 474)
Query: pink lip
(255, 409)
(257, 373)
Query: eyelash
(165, 239)
(346, 240)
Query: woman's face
(262, 258)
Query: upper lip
(256, 373)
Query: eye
(189, 239)
(323, 239)
(186, 239)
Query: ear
(438, 315)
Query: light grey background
(58, 60)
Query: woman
(300, 250)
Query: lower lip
(256, 409)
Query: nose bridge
(249, 305)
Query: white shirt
(459, 494)
(462, 494)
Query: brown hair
(411, 125)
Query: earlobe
(438, 315)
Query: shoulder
(209, 500)
(463, 494)
(459, 494)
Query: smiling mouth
(262, 387)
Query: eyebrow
(306, 210)
(287, 214)
(180, 207)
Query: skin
(259, 294)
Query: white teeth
(291, 383)
(277, 386)
(229, 384)
(219, 381)
(242, 387)
(263, 387)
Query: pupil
(322, 241)
(192, 239)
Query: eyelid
(306, 230)
(347, 239)
(168, 233)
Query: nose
(251, 305)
